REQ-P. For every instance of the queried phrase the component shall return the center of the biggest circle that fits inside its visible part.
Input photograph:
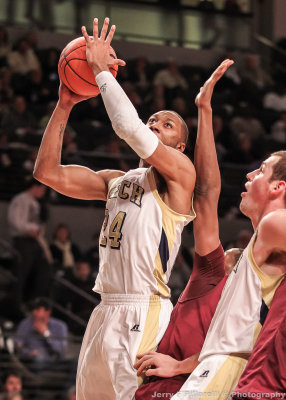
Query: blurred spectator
(275, 98)
(50, 72)
(82, 278)
(40, 337)
(244, 121)
(171, 81)
(27, 232)
(92, 253)
(253, 73)
(12, 384)
(206, 5)
(13, 396)
(242, 152)
(243, 237)
(19, 121)
(29, 163)
(22, 62)
(71, 394)
(140, 75)
(232, 7)
(4, 47)
(64, 251)
(278, 129)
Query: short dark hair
(11, 372)
(41, 302)
(279, 168)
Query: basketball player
(265, 373)
(146, 211)
(177, 353)
(250, 288)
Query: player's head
(170, 128)
(266, 187)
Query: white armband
(124, 118)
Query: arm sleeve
(124, 118)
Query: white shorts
(120, 327)
(213, 379)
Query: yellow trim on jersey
(269, 283)
(111, 182)
(225, 379)
(170, 221)
(158, 272)
(164, 206)
(151, 328)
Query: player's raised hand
(203, 99)
(98, 47)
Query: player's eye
(151, 120)
(168, 125)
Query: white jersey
(140, 237)
(242, 308)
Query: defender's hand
(203, 99)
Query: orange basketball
(74, 70)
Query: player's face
(167, 126)
(258, 187)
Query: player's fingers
(118, 61)
(95, 28)
(110, 34)
(144, 365)
(85, 35)
(104, 28)
(153, 372)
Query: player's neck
(270, 207)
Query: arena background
(196, 36)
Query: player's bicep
(206, 227)
(173, 165)
(82, 183)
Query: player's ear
(278, 188)
(181, 146)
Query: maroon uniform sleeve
(207, 272)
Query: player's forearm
(124, 118)
(206, 164)
(49, 155)
(188, 365)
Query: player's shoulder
(274, 219)
(272, 226)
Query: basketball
(74, 70)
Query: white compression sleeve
(124, 118)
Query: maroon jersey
(189, 321)
(265, 372)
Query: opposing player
(248, 293)
(146, 211)
(177, 354)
